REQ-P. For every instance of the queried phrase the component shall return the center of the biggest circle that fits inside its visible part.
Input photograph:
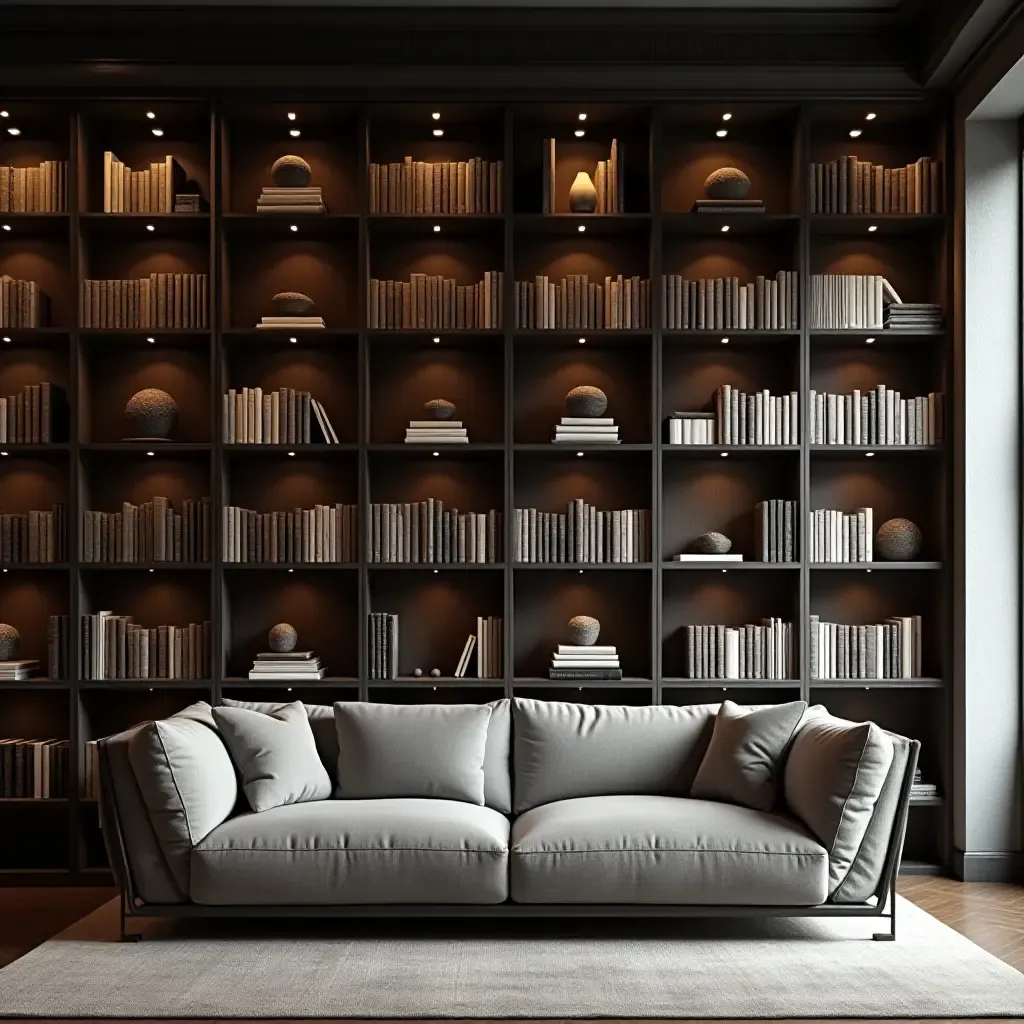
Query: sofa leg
(125, 935)
(890, 935)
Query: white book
(289, 676)
(732, 654)
(437, 439)
(584, 421)
(436, 425)
(686, 557)
(584, 438)
(585, 428)
(467, 652)
(576, 648)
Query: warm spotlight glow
(870, 117)
(152, 341)
(7, 227)
(583, 341)
(294, 227)
(291, 116)
(437, 341)
(7, 340)
(294, 133)
(158, 132)
(438, 132)
(149, 227)
(582, 117)
(294, 341)
(437, 228)
(855, 133)
(872, 227)
(151, 115)
(436, 115)
(721, 133)
(725, 227)
(580, 133)
(582, 228)
(727, 117)
(13, 131)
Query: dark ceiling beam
(953, 34)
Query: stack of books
(586, 430)
(289, 323)
(14, 670)
(913, 316)
(728, 206)
(436, 432)
(188, 202)
(922, 790)
(287, 666)
(277, 199)
(572, 661)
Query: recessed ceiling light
(438, 132)
(149, 453)
(291, 454)
(437, 228)
(727, 117)
(725, 227)
(292, 570)
(725, 570)
(7, 339)
(3, 113)
(870, 117)
(151, 340)
(435, 573)
(7, 227)
(294, 132)
(583, 341)
(149, 227)
(13, 131)
(582, 228)
(721, 133)
(580, 133)
(436, 115)
(582, 117)
(872, 227)
(294, 341)
(869, 341)
(435, 454)
(725, 341)
(291, 116)
(3, 453)
(869, 455)
(151, 115)
(725, 455)
(579, 455)
(437, 341)
(158, 132)
(294, 227)
(854, 133)
(152, 570)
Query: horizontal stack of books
(437, 303)
(723, 304)
(149, 191)
(114, 647)
(577, 303)
(289, 666)
(609, 180)
(887, 650)
(415, 186)
(586, 430)
(436, 432)
(849, 185)
(319, 534)
(58, 647)
(913, 316)
(34, 769)
(41, 189)
(22, 668)
(157, 302)
(36, 536)
(188, 202)
(285, 416)
(741, 652)
(692, 428)
(22, 304)
(290, 323)
(877, 417)
(922, 790)
(426, 532)
(761, 418)
(382, 636)
(38, 414)
(150, 532)
(582, 534)
(774, 530)
(842, 537)
(572, 661)
(299, 199)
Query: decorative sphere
(712, 543)
(283, 638)
(584, 630)
(291, 172)
(439, 409)
(726, 183)
(435, 672)
(291, 304)
(10, 638)
(151, 413)
(586, 400)
(898, 540)
(417, 672)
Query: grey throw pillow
(418, 750)
(275, 755)
(742, 762)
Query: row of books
(692, 428)
(775, 530)
(34, 769)
(842, 536)
(425, 531)
(323, 533)
(285, 416)
(150, 532)
(38, 414)
(23, 304)
(42, 189)
(880, 416)
(849, 185)
(287, 666)
(844, 301)
(577, 303)
(451, 187)
(762, 418)
(750, 651)
(148, 191)
(489, 656)
(89, 783)
(575, 661)
(382, 645)
(609, 180)
(582, 534)
(887, 650)
(723, 304)
(157, 302)
(115, 647)
(37, 536)
(436, 303)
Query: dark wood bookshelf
(509, 385)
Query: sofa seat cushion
(661, 849)
(355, 851)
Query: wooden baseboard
(988, 866)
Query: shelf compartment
(126, 227)
(857, 224)
(705, 224)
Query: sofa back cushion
(186, 779)
(566, 750)
(834, 776)
(418, 750)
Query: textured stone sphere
(586, 400)
(712, 543)
(898, 540)
(417, 672)
(291, 304)
(726, 183)
(9, 640)
(436, 673)
(584, 630)
(283, 638)
(291, 172)
(439, 409)
(151, 413)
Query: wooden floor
(992, 915)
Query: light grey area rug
(696, 969)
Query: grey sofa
(585, 810)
